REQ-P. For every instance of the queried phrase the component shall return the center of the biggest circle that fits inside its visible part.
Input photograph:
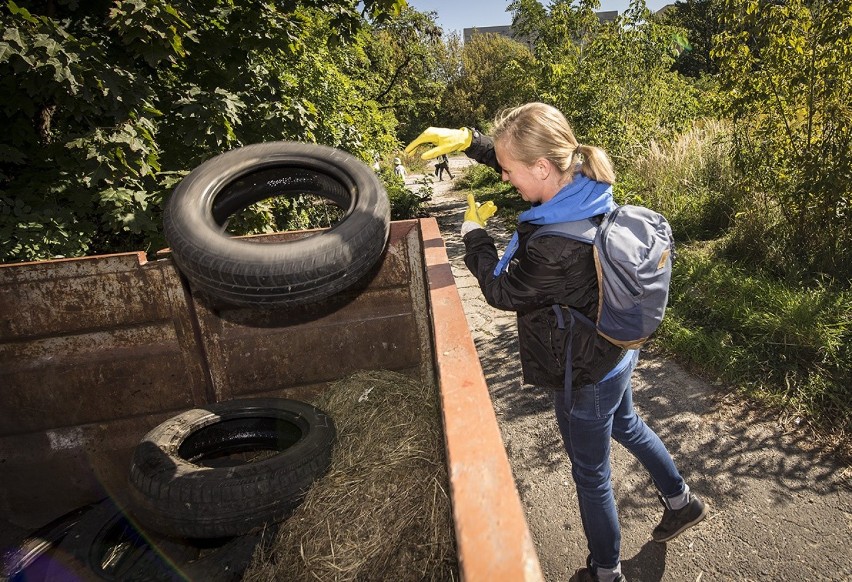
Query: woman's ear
(542, 168)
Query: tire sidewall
(169, 436)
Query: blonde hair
(538, 130)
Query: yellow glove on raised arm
(445, 140)
(479, 213)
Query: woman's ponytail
(596, 164)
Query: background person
(399, 169)
(442, 165)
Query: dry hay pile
(383, 511)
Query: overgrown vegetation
(787, 83)
(107, 105)
(615, 81)
(785, 343)
(691, 180)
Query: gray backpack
(634, 250)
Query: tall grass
(690, 181)
(791, 346)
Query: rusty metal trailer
(96, 351)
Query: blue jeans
(598, 412)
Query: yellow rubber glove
(479, 213)
(445, 140)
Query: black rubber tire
(245, 273)
(183, 484)
(29, 560)
(106, 544)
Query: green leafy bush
(785, 71)
(477, 176)
(405, 203)
(106, 105)
(614, 83)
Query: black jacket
(545, 271)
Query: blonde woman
(534, 148)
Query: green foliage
(405, 203)
(786, 71)
(406, 73)
(107, 105)
(614, 81)
(790, 345)
(477, 176)
(702, 20)
(495, 75)
(279, 214)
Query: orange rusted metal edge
(492, 536)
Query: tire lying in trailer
(31, 558)
(241, 272)
(108, 545)
(222, 470)
(105, 545)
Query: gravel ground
(780, 509)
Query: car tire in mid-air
(244, 272)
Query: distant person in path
(442, 166)
(535, 149)
(399, 169)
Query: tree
(405, 74)
(702, 21)
(612, 80)
(108, 104)
(495, 74)
(786, 68)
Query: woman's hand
(479, 213)
(445, 140)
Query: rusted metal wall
(95, 352)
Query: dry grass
(383, 511)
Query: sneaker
(676, 521)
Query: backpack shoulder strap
(580, 230)
(585, 231)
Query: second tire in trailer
(107, 545)
(229, 467)
(248, 273)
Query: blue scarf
(581, 198)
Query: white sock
(608, 574)
(679, 501)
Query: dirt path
(779, 509)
